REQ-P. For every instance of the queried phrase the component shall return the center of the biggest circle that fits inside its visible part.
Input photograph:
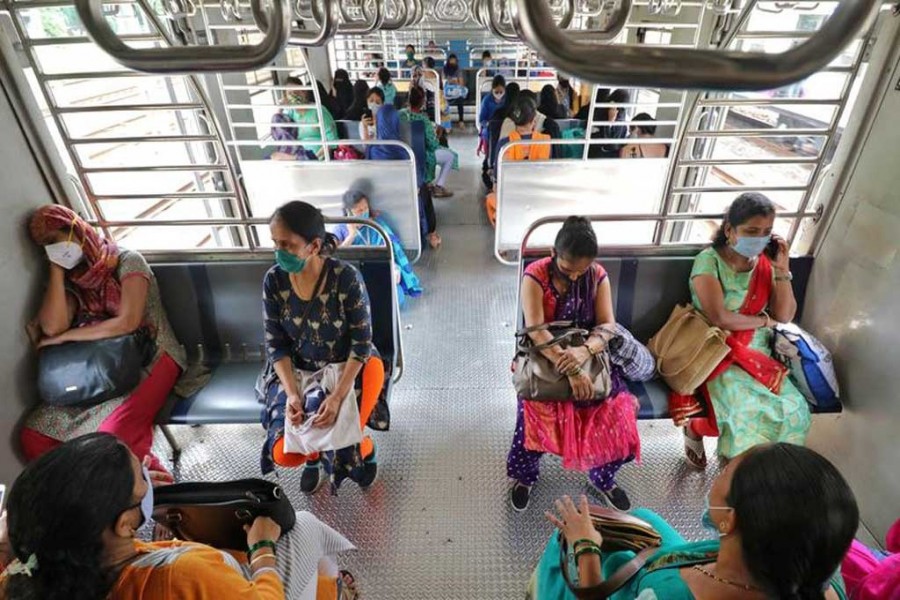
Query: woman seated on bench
(742, 284)
(784, 518)
(356, 204)
(97, 291)
(639, 131)
(73, 516)
(435, 154)
(571, 286)
(316, 314)
(302, 124)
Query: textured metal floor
(437, 523)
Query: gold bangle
(262, 557)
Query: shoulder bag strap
(606, 588)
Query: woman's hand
(782, 261)
(157, 478)
(294, 410)
(582, 386)
(5, 552)
(263, 528)
(572, 358)
(574, 522)
(51, 341)
(328, 411)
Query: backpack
(810, 364)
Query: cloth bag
(536, 378)
(633, 357)
(810, 364)
(620, 532)
(88, 373)
(344, 432)
(688, 349)
(214, 513)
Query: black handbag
(88, 373)
(214, 513)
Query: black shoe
(369, 472)
(519, 496)
(616, 498)
(312, 479)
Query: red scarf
(94, 280)
(764, 369)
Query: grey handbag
(535, 377)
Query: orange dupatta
(764, 369)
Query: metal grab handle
(187, 59)
(326, 19)
(353, 28)
(399, 20)
(684, 68)
(444, 14)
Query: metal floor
(437, 523)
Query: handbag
(688, 349)
(88, 373)
(344, 432)
(620, 532)
(535, 377)
(810, 364)
(214, 513)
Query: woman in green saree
(784, 518)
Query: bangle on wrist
(584, 542)
(259, 557)
(259, 546)
(587, 550)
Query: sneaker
(441, 192)
(312, 479)
(519, 496)
(369, 472)
(615, 497)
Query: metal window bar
(684, 164)
(230, 199)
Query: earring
(723, 526)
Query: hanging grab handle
(353, 27)
(325, 17)
(188, 59)
(685, 68)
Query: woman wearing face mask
(571, 286)
(455, 89)
(316, 314)
(374, 102)
(435, 154)
(410, 54)
(304, 122)
(386, 83)
(96, 291)
(356, 204)
(359, 106)
(784, 518)
(742, 284)
(341, 93)
(73, 517)
(490, 104)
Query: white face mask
(65, 254)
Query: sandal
(347, 589)
(694, 451)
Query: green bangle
(587, 550)
(259, 546)
(587, 541)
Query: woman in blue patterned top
(317, 313)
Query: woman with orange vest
(523, 116)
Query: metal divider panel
(529, 191)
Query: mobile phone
(772, 249)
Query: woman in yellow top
(73, 518)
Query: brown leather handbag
(214, 513)
(535, 377)
(688, 349)
(620, 532)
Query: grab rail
(688, 68)
(325, 18)
(188, 59)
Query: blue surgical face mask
(147, 500)
(289, 262)
(706, 517)
(374, 107)
(363, 215)
(751, 247)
